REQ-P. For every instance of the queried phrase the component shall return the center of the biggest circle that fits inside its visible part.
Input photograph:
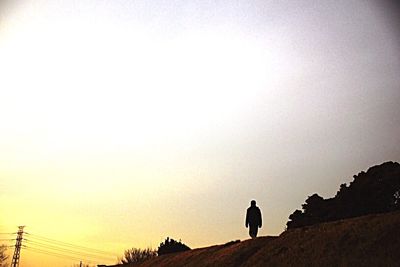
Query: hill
(372, 240)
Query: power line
(56, 248)
(70, 251)
(55, 254)
(61, 243)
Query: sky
(124, 122)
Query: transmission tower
(18, 244)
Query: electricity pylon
(18, 244)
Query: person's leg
(253, 231)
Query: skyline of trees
(374, 191)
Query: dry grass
(365, 241)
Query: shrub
(136, 255)
(3, 256)
(171, 246)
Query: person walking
(253, 219)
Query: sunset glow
(124, 122)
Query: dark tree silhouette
(136, 255)
(374, 191)
(171, 246)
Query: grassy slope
(372, 240)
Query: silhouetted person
(253, 219)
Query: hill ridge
(371, 240)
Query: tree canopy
(374, 191)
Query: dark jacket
(253, 217)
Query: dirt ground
(372, 240)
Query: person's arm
(260, 218)
(247, 219)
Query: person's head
(253, 203)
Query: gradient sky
(124, 122)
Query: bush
(136, 255)
(3, 256)
(171, 246)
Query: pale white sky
(165, 118)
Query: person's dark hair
(253, 202)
